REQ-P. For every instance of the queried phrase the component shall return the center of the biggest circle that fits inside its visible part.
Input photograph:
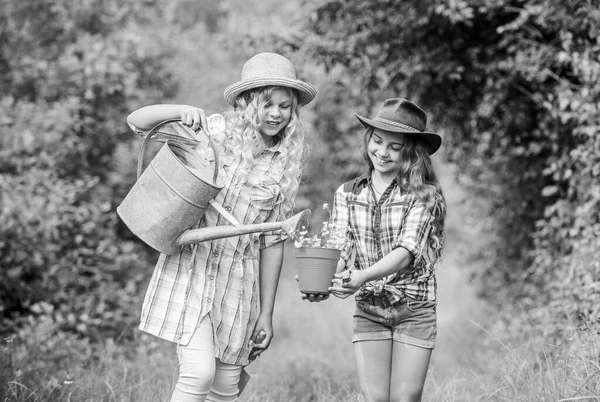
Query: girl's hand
(346, 283)
(261, 336)
(193, 117)
(313, 297)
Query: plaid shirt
(219, 278)
(399, 219)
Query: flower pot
(316, 267)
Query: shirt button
(228, 208)
(237, 185)
(215, 254)
(209, 300)
(211, 277)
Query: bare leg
(373, 361)
(409, 369)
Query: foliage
(69, 76)
(516, 85)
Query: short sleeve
(281, 211)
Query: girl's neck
(384, 180)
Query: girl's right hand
(193, 117)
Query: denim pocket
(418, 305)
(370, 311)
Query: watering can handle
(155, 129)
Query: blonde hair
(241, 138)
(415, 174)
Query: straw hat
(402, 116)
(270, 69)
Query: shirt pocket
(360, 219)
(263, 191)
(262, 194)
(393, 216)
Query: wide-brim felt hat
(403, 116)
(266, 69)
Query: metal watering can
(172, 193)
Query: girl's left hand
(193, 117)
(346, 283)
(261, 336)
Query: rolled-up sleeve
(414, 232)
(340, 218)
(280, 212)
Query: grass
(310, 360)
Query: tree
(515, 85)
(70, 73)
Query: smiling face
(384, 149)
(277, 114)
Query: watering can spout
(290, 226)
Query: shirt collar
(274, 149)
(365, 179)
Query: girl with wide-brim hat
(205, 298)
(395, 215)
(270, 69)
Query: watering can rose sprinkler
(172, 193)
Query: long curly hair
(415, 174)
(241, 137)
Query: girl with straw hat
(395, 213)
(206, 298)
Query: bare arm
(398, 260)
(271, 260)
(148, 116)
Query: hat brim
(306, 92)
(434, 141)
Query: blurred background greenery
(513, 86)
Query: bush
(65, 256)
(515, 85)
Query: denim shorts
(407, 321)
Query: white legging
(202, 377)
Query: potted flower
(317, 256)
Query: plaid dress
(219, 278)
(399, 219)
